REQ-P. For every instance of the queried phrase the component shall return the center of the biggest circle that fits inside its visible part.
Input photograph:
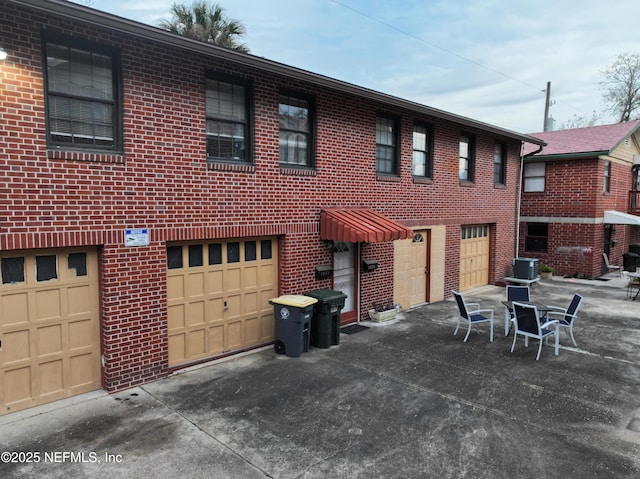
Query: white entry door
(344, 278)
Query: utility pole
(545, 127)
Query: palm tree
(206, 22)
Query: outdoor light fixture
(3, 54)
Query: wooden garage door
(474, 256)
(49, 326)
(218, 296)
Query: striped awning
(360, 225)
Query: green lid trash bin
(292, 315)
(325, 324)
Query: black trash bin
(293, 315)
(631, 261)
(325, 325)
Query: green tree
(206, 22)
(622, 86)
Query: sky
(488, 60)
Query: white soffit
(619, 218)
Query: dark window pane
(195, 255)
(233, 252)
(537, 229)
(78, 262)
(265, 249)
(215, 253)
(46, 267)
(250, 251)
(537, 237)
(12, 270)
(536, 244)
(499, 158)
(385, 158)
(174, 257)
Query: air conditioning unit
(525, 268)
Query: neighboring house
(159, 191)
(580, 198)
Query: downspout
(519, 189)
(358, 283)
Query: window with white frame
(606, 187)
(82, 94)
(227, 113)
(534, 177)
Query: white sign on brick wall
(137, 237)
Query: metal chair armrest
(549, 323)
(555, 308)
(560, 313)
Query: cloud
(486, 60)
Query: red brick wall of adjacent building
(56, 198)
(573, 200)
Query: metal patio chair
(471, 313)
(514, 293)
(527, 322)
(610, 267)
(567, 317)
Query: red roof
(592, 139)
(360, 225)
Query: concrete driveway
(405, 400)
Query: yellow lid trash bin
(296, 300)
(292, 315)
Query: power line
(450, 52)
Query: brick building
(158, 191)
(580, 198)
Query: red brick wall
(162, 182)
(574, 189)
(375, 285)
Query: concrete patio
(406, 399)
